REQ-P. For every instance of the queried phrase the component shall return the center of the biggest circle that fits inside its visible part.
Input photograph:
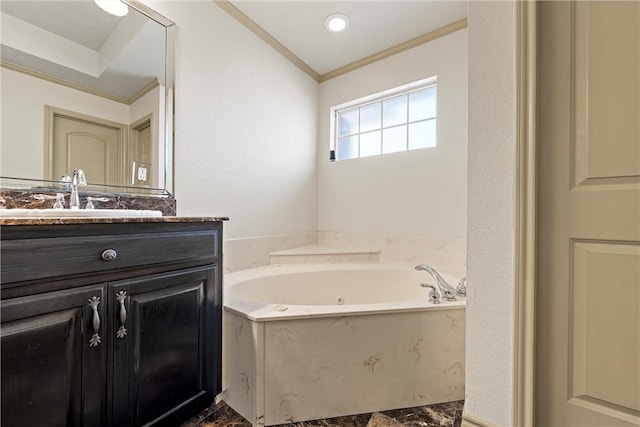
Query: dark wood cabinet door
(164, 362)
(51, 374)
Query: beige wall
(421, 192)
(245, 126)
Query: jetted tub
(312, 341)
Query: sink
(77, 213)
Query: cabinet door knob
(109, 255)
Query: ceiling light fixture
(114, 7)
(336, 22)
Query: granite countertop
(104, 220)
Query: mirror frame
(167, 172)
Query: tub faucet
(434, 296)
(447, 291)
(461, 289)
(77, 179)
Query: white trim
(525, 215)
(389, 93)
(471, 421)
(62, 82)
(378, 97)
(409, 44)
(239, 16)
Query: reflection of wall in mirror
(22, 137)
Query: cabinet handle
(109, 255)
(95, 338)
(122, 331)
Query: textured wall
(491, 211)
(421, 192)
(245, 126)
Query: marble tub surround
(325, 254)
(446, 254)
(439, 415)
(12, 199)
(279, 372)
(251, 252)
(312, 341)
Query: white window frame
(377, 97)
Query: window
(398, 120)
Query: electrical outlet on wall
(140, 173)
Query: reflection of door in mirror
(78, 141)
(141, 153)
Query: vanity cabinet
(161, 361)
(110, 324)
(50, 374)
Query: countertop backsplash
(31, 199)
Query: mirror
(83, 88)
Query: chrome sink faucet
(78, 179)
(448, 292)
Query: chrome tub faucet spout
(448, 292)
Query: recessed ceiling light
(114, 7)
(336, 22)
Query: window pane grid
(409, 93)
(400, 122)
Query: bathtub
(313, 341)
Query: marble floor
(442, 414)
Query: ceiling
(123, 43)
(81, 22)
(374, 26)
(76, 42)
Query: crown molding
(44, 76)
(142, 92)
(409, 44)
(239, 16)
(52, 79)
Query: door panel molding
(589, 164)
(604, 408)
(599, 296)
(99, 145)
(51, 113)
